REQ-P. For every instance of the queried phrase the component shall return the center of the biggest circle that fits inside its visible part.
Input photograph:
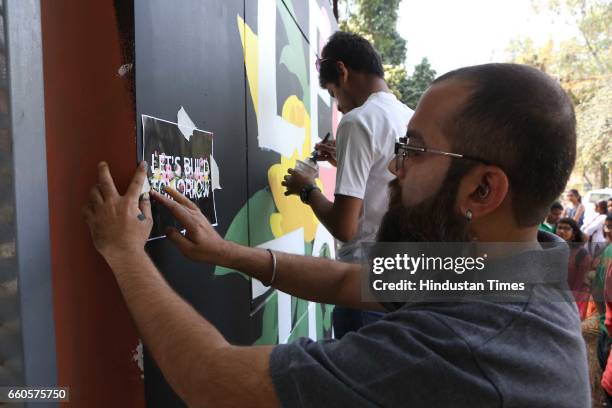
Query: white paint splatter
(138, 357)
(273, 132)
(214, 169)
(185, 124)
(124, 69)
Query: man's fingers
(135, 186)
(178, 197)
(145, 205)
(323, 156)
(291, 171)
(178, 211)
(95, 196)
(87, 213)
(183, 244)
(106, 183)
(325, 148)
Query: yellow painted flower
(292, 213)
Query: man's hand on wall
(119, 225)
(201, 241)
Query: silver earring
(469, 215)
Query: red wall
(89, 117)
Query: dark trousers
(603, 350)
(347, 320)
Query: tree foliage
(583, 66)
(594, 119)
(376, 20)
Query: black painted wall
(190, 54)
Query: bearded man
(488, 149)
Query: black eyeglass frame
(403, 150)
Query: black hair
(520, 119)
(577, 194)
(602, 206)
(556, 206)
(575, 228)
(354, 51)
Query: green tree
(594, 122)
(421, 78)
(376, 20)
(583, 66)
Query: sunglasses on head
(318, 63)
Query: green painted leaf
(260, 206)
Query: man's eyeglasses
(403, 150)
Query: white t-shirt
(595, 228)
(365, 141)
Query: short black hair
(602, 206)
(556, 206)
(521, 120)
(354, 51)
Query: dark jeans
(603, 349)
(347, 320)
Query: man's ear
(482, 191)
(343, 70)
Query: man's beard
(433, 220)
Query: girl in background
(574, 209)
(579, 263)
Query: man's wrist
(120, 256)
(306, 191)
(224, 256)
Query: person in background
(610, 205)
(574, 209)
(604, 273)
(579, 263)
(373, 119)
(550, 223)
(594, 229)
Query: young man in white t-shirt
(373, 119)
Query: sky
(457, 33)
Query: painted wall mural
(245, 71)
(291, 114)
